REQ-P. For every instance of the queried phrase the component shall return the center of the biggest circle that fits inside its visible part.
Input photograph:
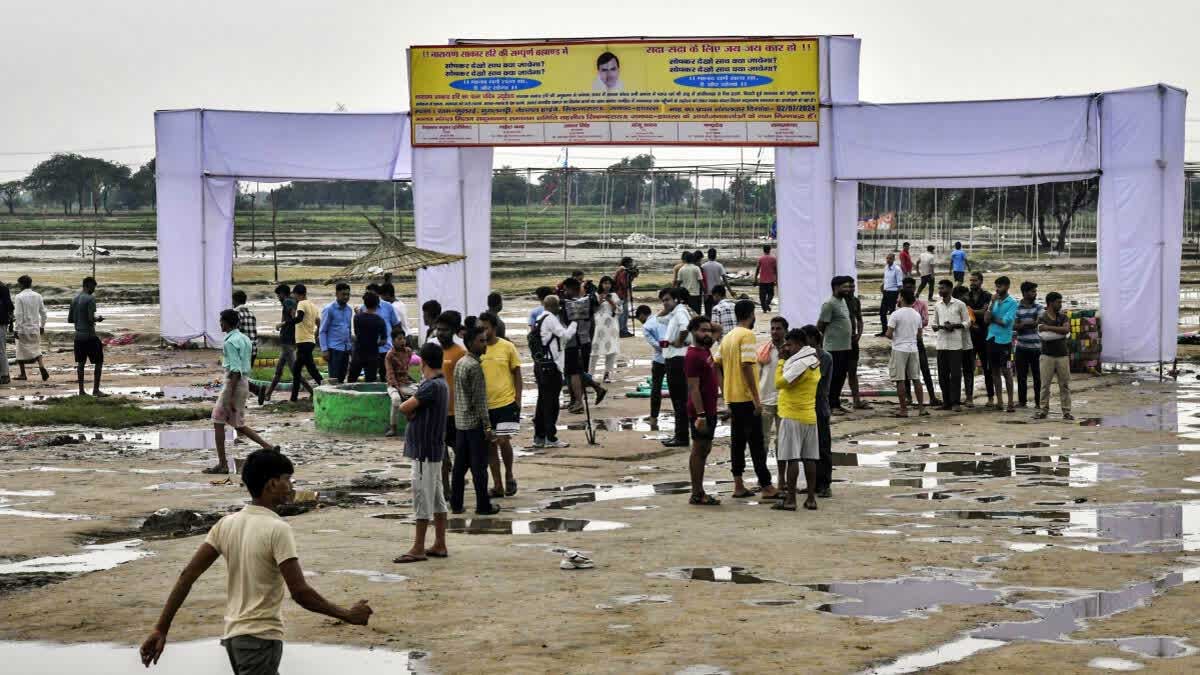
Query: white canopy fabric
(200, 156)
(1132, 138)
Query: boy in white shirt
(902, 329)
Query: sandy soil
(503, 596)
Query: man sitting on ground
(260, 557)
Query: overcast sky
(81, 75)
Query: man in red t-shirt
(906, 262)
(766, 275)
(702, 405)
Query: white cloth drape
(452, 195)
(201, 154)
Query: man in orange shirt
(446, 329)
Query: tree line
(77, 182)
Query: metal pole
(528, 187)
(95, 226)
(253, 200)
(274, 242)
(462, 231)
(971, 235)
(696, 208)
(566, 185)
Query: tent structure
(391, 255)
(1133, 139)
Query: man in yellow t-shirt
(260, 559)
(502, 375)
(307, 324)
(796, 378)
(738, 360)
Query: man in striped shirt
(474, 428)
(247, 323)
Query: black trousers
(825, 464)
(304, 359)
(694, 301)
(926, 280)
(545, 418)
(968, 373)
(470, 452)
(658, 371)
(950, 376)
(886, 307)
(745, 428)
(926, 376)
(837, 379)
(365, 364)
(709, 303)
(677, 386)
(766, 293)
(979, 344)
(1028, 361)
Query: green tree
(61, 179)
(10, 192)
(509, 187)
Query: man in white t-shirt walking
(925, 267)
(902, 329)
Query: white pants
(399, 396)
(610, 363)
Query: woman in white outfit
(606, 339)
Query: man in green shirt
(231, 404)
(834, 324)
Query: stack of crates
(1084, 343)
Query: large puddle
(905, 597)
(201, 657)
(94, 558)
(488, 525)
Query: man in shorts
(904, 325)
(87, 344)
(502, 373)
(424, 446)
(231, 404)
(701, 376)
(260, 559)
(797, 377)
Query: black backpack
(539, 351)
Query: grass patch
(107, 413)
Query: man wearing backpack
(546, 347)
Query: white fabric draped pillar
(1141, 222)
(452, 199)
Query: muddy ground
(1087, 532)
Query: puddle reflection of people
(231, 404)
(424, 445)
(701, 376)
(87, 347)
(260, 558)
(797, 377)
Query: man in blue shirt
(1000, 316)
(335, 334)
(893, 276)
(958, 263)
(653, 331)
(231, 404)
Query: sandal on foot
(923, 413)
(510, 488)
(810, 507)
(706, 500)
(216, 470)
(435, 554)
(783, 506)
(407, 558)
(742, 495)
(600, 395)
(900, 414)
(777, 495)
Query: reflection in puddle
(197, 658)
(1155, 646)
(97, 557)
(168, 439)
(182, 485)
(605, 493)
(902, 597)
(725, 574)
(26, 493)
(488, 525)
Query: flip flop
(899, 414)
(706, 500)
(408, 558)
(432, 554)
(216, 470)
(777, 495)
(745, 495)
(783, 507)
(812, 507)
